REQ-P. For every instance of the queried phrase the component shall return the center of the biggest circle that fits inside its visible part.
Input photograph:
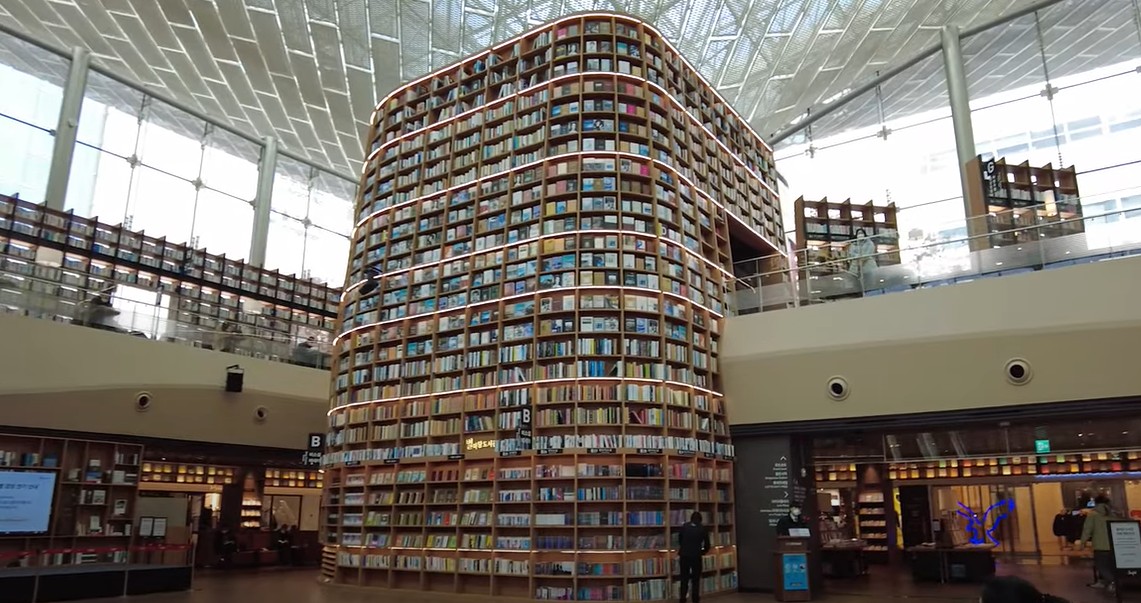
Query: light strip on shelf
(776, 248)
(552, 26)
(580, 75)
(530, 383)
(337, 339)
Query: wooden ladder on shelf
(328, 563)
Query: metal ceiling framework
(308, 72)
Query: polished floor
(301, 586)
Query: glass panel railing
(1030, 238)
(150, 314)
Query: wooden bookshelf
(527, 401)
(67, 254)
(1020, 204)
(156, 472)
(826, 229)
(92, 515)
(292, 478)
(875, 513)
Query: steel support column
(267, 169)
(64, 145)
(960, 98)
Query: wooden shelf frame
(1020, 204)
(92, 516)
(550, 270)
(824, 230)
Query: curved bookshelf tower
(526, 394)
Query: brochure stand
(1125, 545)
(793, 558)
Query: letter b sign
(316, 441)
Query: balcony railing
(1029, 239)
(38, 297)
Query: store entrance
(956, 505)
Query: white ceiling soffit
(310, 71)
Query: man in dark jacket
(693, 542)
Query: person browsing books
(693, 543)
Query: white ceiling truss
(309, 72)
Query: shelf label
(686, 453)
(649, 451)
(455, 457)
(709, 455)
(601, 451)
(352, 463)
(391, 461)
(508, 453)
(728, 457)
(548, 451)
(523, 432)
(315, 448)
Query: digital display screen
(26, 501)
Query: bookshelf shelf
(526, 385)
(96, 486)
(1020, 204)
(830, 231)
(64, 256)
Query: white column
(66, 128)
(267, 168)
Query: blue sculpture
(977, 526)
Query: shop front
(952, 503)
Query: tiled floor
(301, 586)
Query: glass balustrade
(835, 273)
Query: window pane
(99, 185)
(326, 256)
(38, 76)
(171, 140)
(230, 164)
(285, 247)
(110, 116)
(223, 224)
(331, 206)
(291, 184)
(161, 205)
(25, 159)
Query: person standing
(693, 544)
(1096, 532)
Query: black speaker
(234, 378)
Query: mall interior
(485, 299)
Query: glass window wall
(310, 221)
(28, 119)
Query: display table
(844, 559)
(970, 564)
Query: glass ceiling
(310, 71)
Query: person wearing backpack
(1096, 532)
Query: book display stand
(1020, 204)
(826, 231)
(526, 388)
(69, 531)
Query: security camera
(838, 388)
(1018, 371)
(142, 401)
